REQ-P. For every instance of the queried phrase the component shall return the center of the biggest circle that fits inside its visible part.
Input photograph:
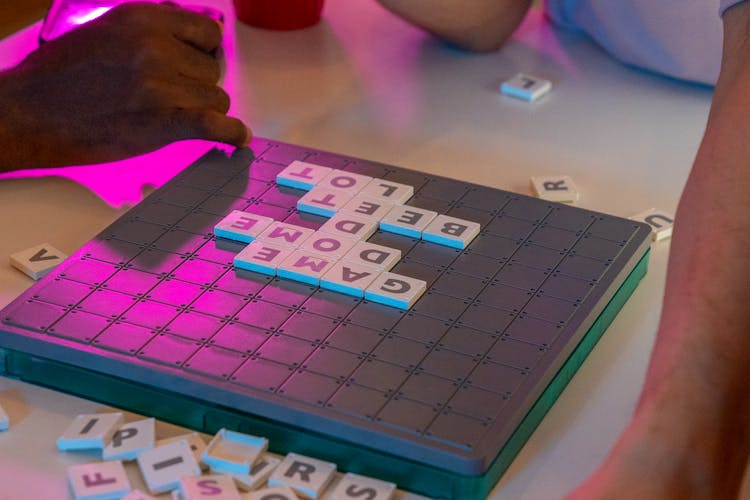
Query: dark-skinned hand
(137, 78)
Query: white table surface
(366, 84)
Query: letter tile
(99, 481)
(242, 226)
(660, 221)
(526, 87)
(559, 188)
(88, 432)
(351, 225)
(130, 440)
(370, 254)
(368, 206)
(305, 267)
(262, 257)
(323, 202)
(285, 235)
(215, 486)
(163, 466)
(306, 476)
(395, 192)
(349, 278)
(353, 486)
(231, 452)
(38, 261)
(348, 182)
(451, 231)
(334, 246)
(302, 175)
(395, 290)
(259, 473)
(408, 221)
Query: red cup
(282, 15)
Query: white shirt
(677, 38)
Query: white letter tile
(451, 231)
(88, 432)
(216, 487)
(262, 257)
(305, 267)
(130, 440)
(99, 481)
(37, 261)
(163, 466)
(526, 87)
(305, 475)
(323, 202)
(302, 175)
(408, 221)
(285, 235)
(334, 246)
(660, 221)
(559, 188)
(367, 206)
(259, 473)
(395, 192)
(241, 226)
(348, 182)
(353, 487)
(351, 225)
(395, 290)
(370, 254)
(349, 278)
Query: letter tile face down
(560, 188)
(406, 220)
(451, 231)
(305, 267)
(349, 278)
(347, 224)
(322, 201)
(262, 257)
(302, 175)
(305, 475)
(241, 226)
(395, 290)
(395, 192)
(99, 481)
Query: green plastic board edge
(409, 475)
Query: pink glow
(122, 183)
(86, 15)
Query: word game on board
(437, 398)
(336, 257)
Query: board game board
(152, 316)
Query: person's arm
(690, 435)
(135, 79)
(478, 25)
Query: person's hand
(139, 77)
